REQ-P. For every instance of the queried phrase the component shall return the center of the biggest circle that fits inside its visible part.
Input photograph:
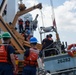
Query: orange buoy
(72, 50)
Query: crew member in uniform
(30, 58)
(7, 60)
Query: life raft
(72, 50)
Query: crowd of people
(46, 43)
(7, 59)
(31, 55)
(24, 29)
(23, 25)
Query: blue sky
(55, 2)
(0, 2)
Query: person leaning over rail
(7, 60)
(30, 58)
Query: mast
(55, 27)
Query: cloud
(30, 2)
(65, 16)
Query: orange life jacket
(3, 54)
(32, 58)
(20, 22)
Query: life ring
(72, 49)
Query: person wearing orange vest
(20, 23)
(7, 60)
(30, 58)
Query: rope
(42, 18)
(42, 24)
(53, 14)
